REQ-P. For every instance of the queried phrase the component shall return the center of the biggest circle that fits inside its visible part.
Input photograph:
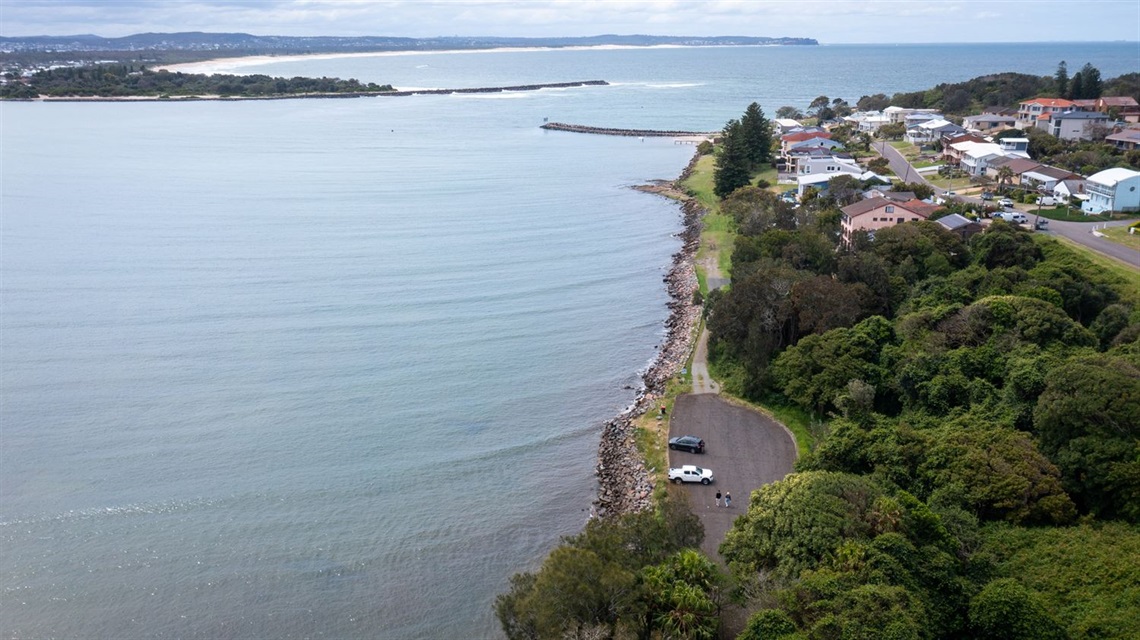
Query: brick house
(877, 213)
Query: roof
(1050, 102)
(1017, 165)
(1111, 177)
(1052, 172)
(1128, 135)
(954, 221)
(1078, 115)
(916, 207)
(991, 117)
(787, 122)
(805, 135)
(900, 196)
(1119, 101)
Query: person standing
(718, 498)
(727, 499)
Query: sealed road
(744, 449)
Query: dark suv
(687, 443)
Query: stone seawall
(624, 484)
(639, 133)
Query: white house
(1112, 190)
(976, 155)
(868, 121)
(1015, 145)
(1046, 177)
(899, 114)
(1072, 125)
(786, 124)
(831, 165)
(931, 130)
(1033, 110)
(1066, 189)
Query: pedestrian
(718, 498)
(727, 499)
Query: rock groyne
(624, 484)
(639, 133)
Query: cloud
(826, 20)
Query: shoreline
(624, 483)
(237, 62)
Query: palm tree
(1004, 176)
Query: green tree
(768, 624)
(1061, 80)
(877, 102)
(1091, 84)
(1006, 610)
(683, 596)
(732, 164)
(790, 113)
(757, 135)
(1088, 421)
(793, 524)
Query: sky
(829, 21)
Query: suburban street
(1078, 232)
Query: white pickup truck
(690, 473)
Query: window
(890, 208)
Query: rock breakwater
(624, 483)
(608, 131)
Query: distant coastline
(232, 63)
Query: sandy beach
(234, 65)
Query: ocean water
(337, 368)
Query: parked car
(987, 195)
(1047, 201)
(1006, 202)
(1042, 224)
(1016, 217)
(690, 473)
(692, 444)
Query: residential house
(931, 130)
(1119, 107)
(989, 122)
(1045, 178)
(880, 213)
(1031, 110)
(950, 154)
(898, 114)
(918, 117)
(1126, 140)
(829, 164)
(1072, 125)
(1018, 147)
(868, 121)
(975, 156)
(1112, 190)
(786, 124)
(798, 137)
(1066, 190)
(1016, 164)
(791, 161)
(960, 226)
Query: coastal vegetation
(975, 411)
(122, 80)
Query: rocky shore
(624, 484)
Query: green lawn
(1120, 235)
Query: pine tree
(1062, 79)
(1090, 76)
(732, 171)
(757, 136)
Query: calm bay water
(337, 368)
